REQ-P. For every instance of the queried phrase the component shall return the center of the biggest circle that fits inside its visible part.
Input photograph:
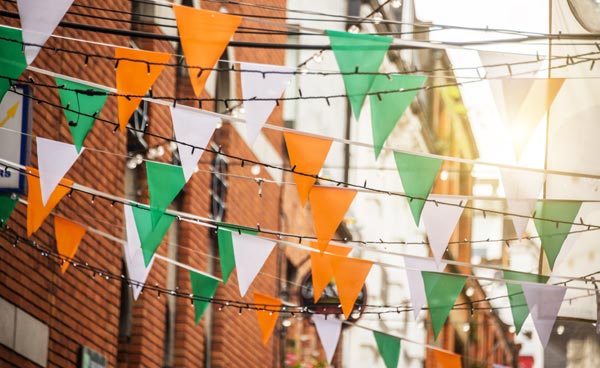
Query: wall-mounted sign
(89, 358)
(15, 137)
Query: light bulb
(354, 29)
(396, 4)
(318, 57)
(377, 17)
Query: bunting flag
(350, 275)
(544, 302)
(203, 288)
(442, 290)
(204, 36)
(440, 221)
(36, 210)
(358, 52)
(522, 189)
(389, 348)
(307, 155)
(12, 59)
(134, 255)
(553, 234)
(261, 81)
(193, 130)
(68, 236)
(387, 108)
(164, 183)
(38, 21)
(82, 105)
(414, 266)
(226, 254)
(54, 160)
(328, 207)
(518, 305)
(251, 253)
(8, 201)
(446, 359)
(267, 318)
(136, 72)
(418, 174)
(320, 265)
(329, 331)
(150, 235)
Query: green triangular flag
(417, 174)
(389, 348)
(8, 201)
(553, 234)
(12, 58)
(164, 183)
(202, 286)
(518, 304)
(78, 105)
(441, 290)
(387, 108)
(358, 51)
(226, 255)
(150, 236)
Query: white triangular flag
(134, 256)
(54, 160)
(440, 221)
(522, 189)
(414, 266)
(194, 128)
(544, 302)
(250, 254)
(329, 333)
(262, 81)
(38, 21)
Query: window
(218, 188)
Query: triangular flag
(389, 348)
(250, 252)
(38, 21)
(258, 83)
(226, 254)
(446, 359)
(203, 288)
(522, 189)
(82, 105)
(164, 183)
(54, 160)
(440, 221)
(150, 235)
(328, 207)
(136, 73)
(414, 266)
(134, 255)
(350, 275)
(320, 265)
(358, 52)
(8, 201)
(204, 36)
(553, 234)
(267, 318)
(518, 305)
(544, 302)
(68, 236)
(329, 333)
(418, 174)
(12, 59)
(193, 130)
(441, 290)
(36, 210)
(307, 154)
(387, 108)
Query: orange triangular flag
(36, 211)
(329, 205)
(446, 359)
(307, 155)
(266, 318)
(68, 236)
(135, 78)
(350, 275)
(204, 36)
(321, 266)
